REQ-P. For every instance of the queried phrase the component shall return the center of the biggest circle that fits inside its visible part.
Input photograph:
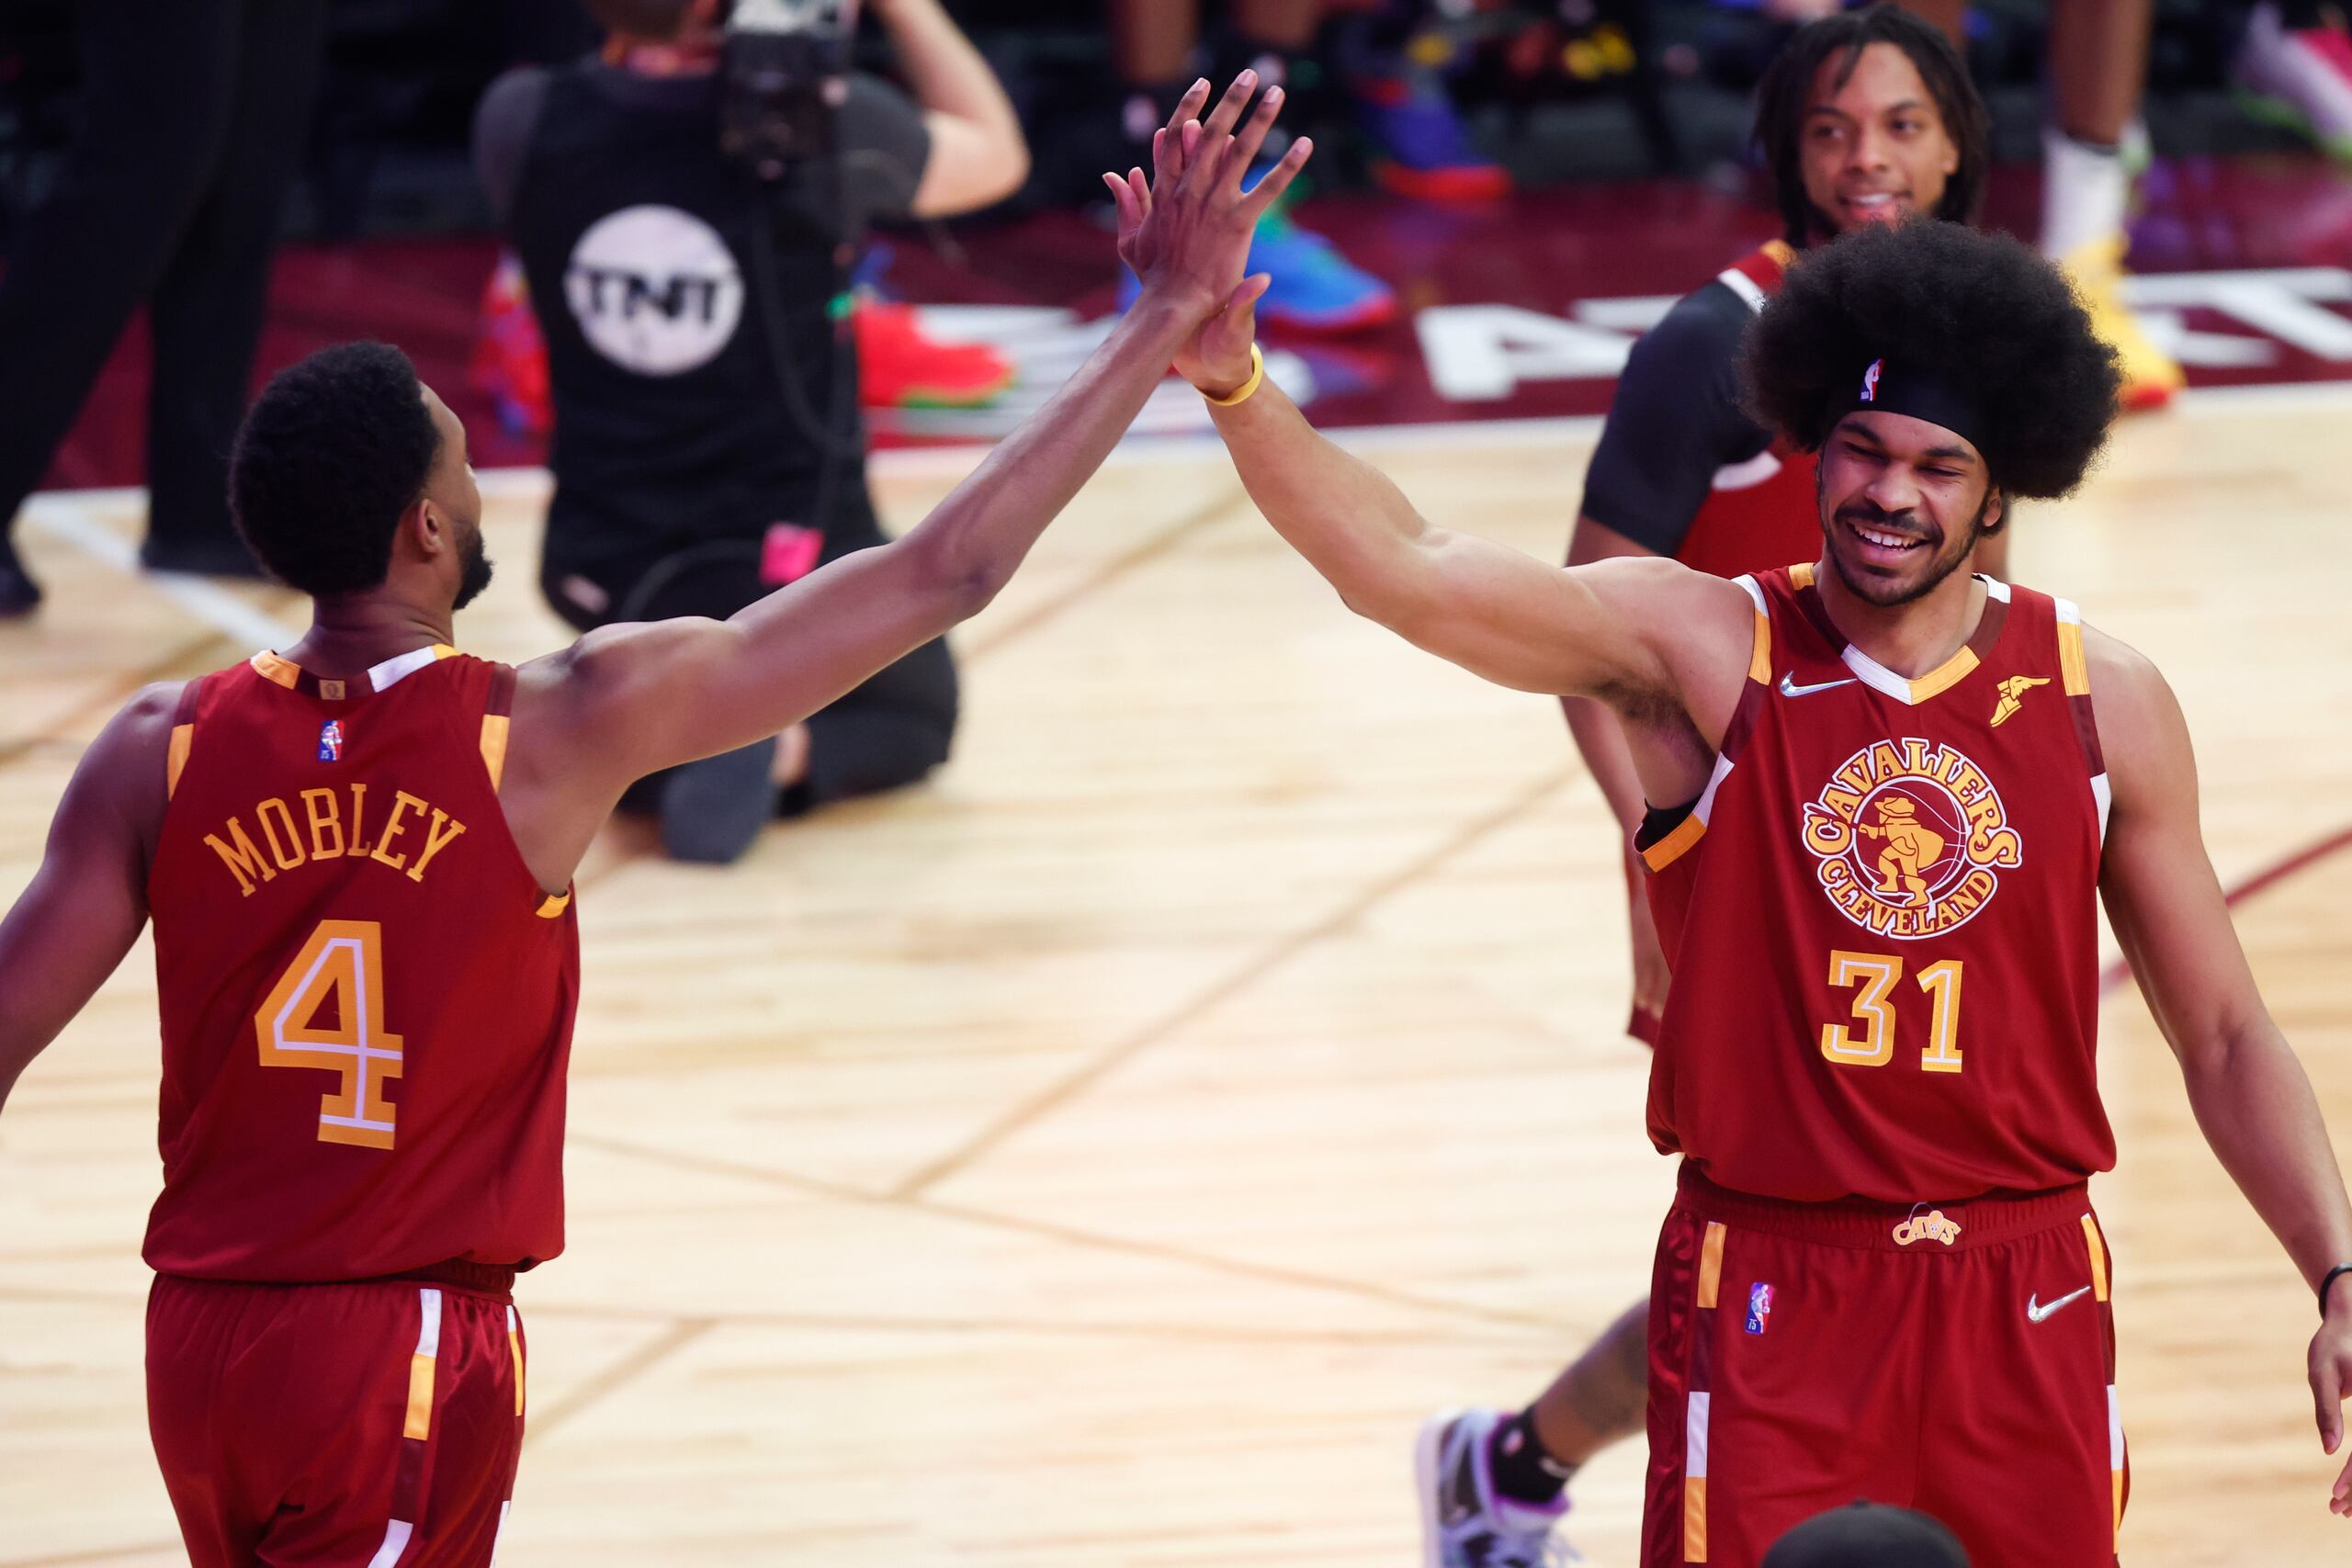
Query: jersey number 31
(1876, 973)
(325, 1013)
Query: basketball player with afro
(1881, 1275)
(1863, 118)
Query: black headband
(1897, 388)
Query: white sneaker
(1464, 1523)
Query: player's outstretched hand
(1186, 229)
(2330, 1370)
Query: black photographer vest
(671, 422)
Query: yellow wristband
(1256, 375)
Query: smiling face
(1873, 148)
(1903, 502)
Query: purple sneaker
(1464, 1523)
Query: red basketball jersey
(1760, 510)
(1882, 920)
(366, 1000)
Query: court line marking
(684, 1332)
(1132, 560)
(66, 515)
(2264, 878)
(1048, 1230)
(1102, 1063)
(112, 695)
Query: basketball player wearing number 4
(1893, 810)
(357, 857)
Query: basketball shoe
(1314, 288)
(2299, 77)
(1424, 151)
(2151, 377)
(1465, 1524)
(901, 366)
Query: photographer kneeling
(685, 212)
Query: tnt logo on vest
(655, 291)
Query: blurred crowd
(152, 156)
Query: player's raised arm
(1493, 610)
(2250, 1094)
(87, 903)
(628, 700)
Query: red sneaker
(900, 366)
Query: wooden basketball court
(1108, 1153)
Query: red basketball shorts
(366, 1424)
(1959, 1359)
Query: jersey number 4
(325, 1013)
(1876, 973)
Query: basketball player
(1863, 118)
(359, 855)
(1881, 1275)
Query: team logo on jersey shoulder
(1909, 838)
(331, 742)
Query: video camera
(786, 74)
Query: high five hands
(1187, 230)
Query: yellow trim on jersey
(2099, 1258)
(419, 1397)
(515, 1347)
(1671, 848)
(442, 650)
(1800, 575)
(1759, 663)
(182, 738)
(555, 904)
(273, 669)
(2070, 658)
(493, 746)
(1783, 252)
(1694, 1518)
(1944, 676)
(1711, 1264)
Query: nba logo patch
(1870, 381)
(331, 742)
(1760, 1306)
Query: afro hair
(1988, 316)
(332, 452)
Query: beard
(475, 568)
(1885, 594)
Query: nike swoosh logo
(1789, 688)
(2035, 1311)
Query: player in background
(2092, 144)
(1863, 118)
(1872, 1163)
(357, 855)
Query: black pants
(196, 113)
(889, 732)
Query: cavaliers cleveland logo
(1908, 837)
